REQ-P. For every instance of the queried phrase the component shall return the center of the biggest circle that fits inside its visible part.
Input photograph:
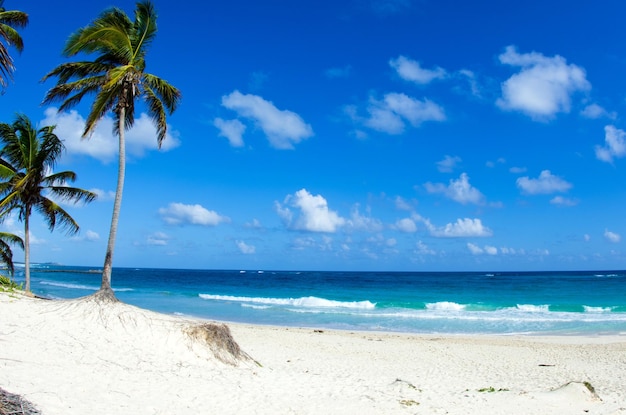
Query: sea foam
(312, 302)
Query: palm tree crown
(117, 77)
(27, 160)
(9, 21)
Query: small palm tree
(9, 21)
(117, 77)
(6, 254)
(27, 160)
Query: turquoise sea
(580, 302)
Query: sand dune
(82, 357)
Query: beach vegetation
(28, 182)
(491, 389)
(10, 21)
(117, 78)
(409, 402)
(9, 285)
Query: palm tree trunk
(105, 288)
(27, 252)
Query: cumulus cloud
(487, 249)
(448, 164)
(157, 239)
(406, 225)
(595, 111)
(283, 128)
(245, 248)
(460, 190)
(412, 71)
(612, 236)
(396, 110)
(462, 228)
(103, 143)
(614, 144)
(232, 130)
(181, 214)
(314, 214)
(544, 85)
(546, 183)
(367, 223)
(422, 249)
(402, 204)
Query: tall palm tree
(6, 254)
(27, 161)
(9, 21)
(117, 77)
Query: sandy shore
(77, 357)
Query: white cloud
(157, 239)
(543, 86)
(402, 204)
(595, 111)
(487, 249)
(546, 183)
(315, 216)
(412, 71)
(245, 248)
(614, 144)
(422, 249)
(406, 225)
(563, 201)
(232, 130)
(254, 224)
(392, 113)
(475, 249)
(89, 236)
(103, 195)
(458, 190)
(611, 236)
(283, 128)
(362, 222)
(491, 250)
(518, 170)
(103, 144)
(448, 164)
(181, 214)
(462, 228)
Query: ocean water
(565, 303)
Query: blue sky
(355, 135)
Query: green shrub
(8, 285)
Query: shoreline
(73, 357)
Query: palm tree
(117, 77)
(9, 21)
(27, 160)
(6, 254)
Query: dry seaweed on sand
(219, 340)
(11, 404)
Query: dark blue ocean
(590, 302)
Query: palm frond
(56, 217)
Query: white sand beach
(80, 357)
